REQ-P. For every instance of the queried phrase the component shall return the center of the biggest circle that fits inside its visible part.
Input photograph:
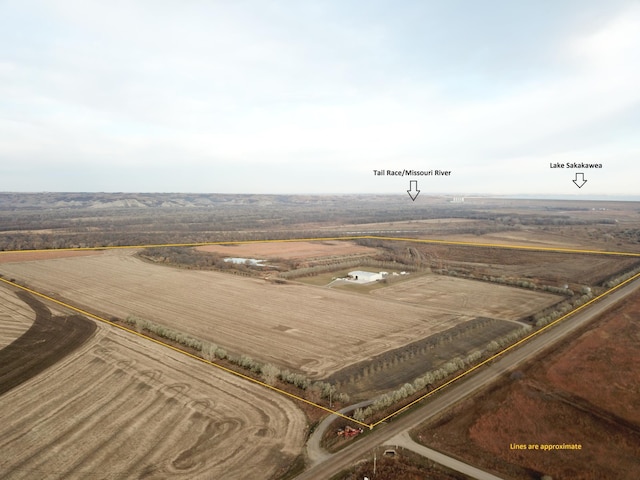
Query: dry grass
(583, 392)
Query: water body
(245, 261)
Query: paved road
(469, 385)
(405, 440)
(315, 453)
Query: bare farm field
(290, 250)
(584, 393)
(454, 295)
(48, 339)
(292, 325)
(27, 256)
(551, 268)
(532, 237)
(15, 317)
(122, 407)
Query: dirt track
(442, 402)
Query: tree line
(267, 372)
(429, 379)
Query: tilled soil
(120, 406)
(47, 341)
(311, 329)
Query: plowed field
(27, 256)
(550, 268)
(298, 326)
(449, 294)
(15, 317)
(48, 340)
(290, 250)
(123, 407)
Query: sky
(304, 96)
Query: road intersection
(390, 433)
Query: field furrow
(50, 401)
(173, 431)
(294, 326)
(122, 407)
(116, 431)
(72, 430)
(450, 294)
(14, 317)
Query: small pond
(245, 261)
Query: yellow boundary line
(532, 248)
(502, 352)
(176, 349)
(316, 239)
(195, 244)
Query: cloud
(321, 85)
